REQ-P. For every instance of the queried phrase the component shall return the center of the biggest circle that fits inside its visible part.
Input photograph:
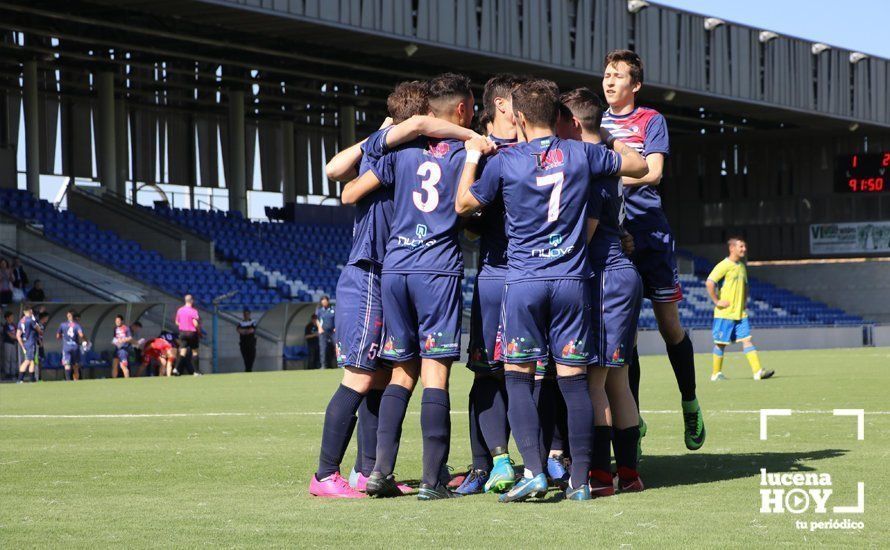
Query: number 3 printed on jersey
(430, 174)
(556, 181)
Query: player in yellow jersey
(730, 318)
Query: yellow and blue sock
(718, 360)
(753, 359)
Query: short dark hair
(43, 314)
(447, 87)
(500, 85)
(37, 281)
(407, 99)
(119, 316)
(634, 63)
(586, 106)
(482, 120)
(136, 324)
(7, 313)
(538, 100)
(733, 239)
(27, 307)
(71, 312)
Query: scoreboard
(863, 173)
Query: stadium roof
(718, 74)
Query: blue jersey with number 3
(424, 237)
(545, 185)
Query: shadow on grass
(697, 468)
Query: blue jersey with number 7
(545, 185)
(424, 237)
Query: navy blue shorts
(71, 356)
(548, 316)
(617, 295)
(654, 257)
(485, 326)
(30, 352)
(123, 355)
(358, 316)
(728, 331)
(422, 316)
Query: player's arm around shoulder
(424, 125)
(632, 163)
(467, 202)
(359, 188)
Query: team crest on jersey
(437, 149)
(549, 159)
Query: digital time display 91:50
(862, 173)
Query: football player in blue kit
(489, 432)
(28, 336)
(544, 183)
(71, 335)
(616, 297)
(421, 287)
(359, 316)
(645, 130)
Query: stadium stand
(298, 260)
(201, 279)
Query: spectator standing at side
(312, 343)
(36, 294)
(6, 282)
(247, 340)
(19, 277)
(326, 329)
(188, 322)
(9, 355)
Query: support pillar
(106, 148)
(32, 128)
(287, 142)
(236, 180)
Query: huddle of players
(544, 193)
(158, 352)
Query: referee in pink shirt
(188, 321)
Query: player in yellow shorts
(730, 318)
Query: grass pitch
(226, 461)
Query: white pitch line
(321, 413)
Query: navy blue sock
(544, 398)
(67, 374)
(368, 422)
(478, 448)
(393, 405)
(339, 422)
(491, 407)
(435, 425)
(633, 375)
(601, 458)
(21, 376)
(682, 361)
(625, 442)
(524, 420)
(579, 409)
(561, 441)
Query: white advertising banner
(850, 238)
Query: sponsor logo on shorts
(618, 355)
(521, 349)
(434, 344)
(574, 350)
(390, 349)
